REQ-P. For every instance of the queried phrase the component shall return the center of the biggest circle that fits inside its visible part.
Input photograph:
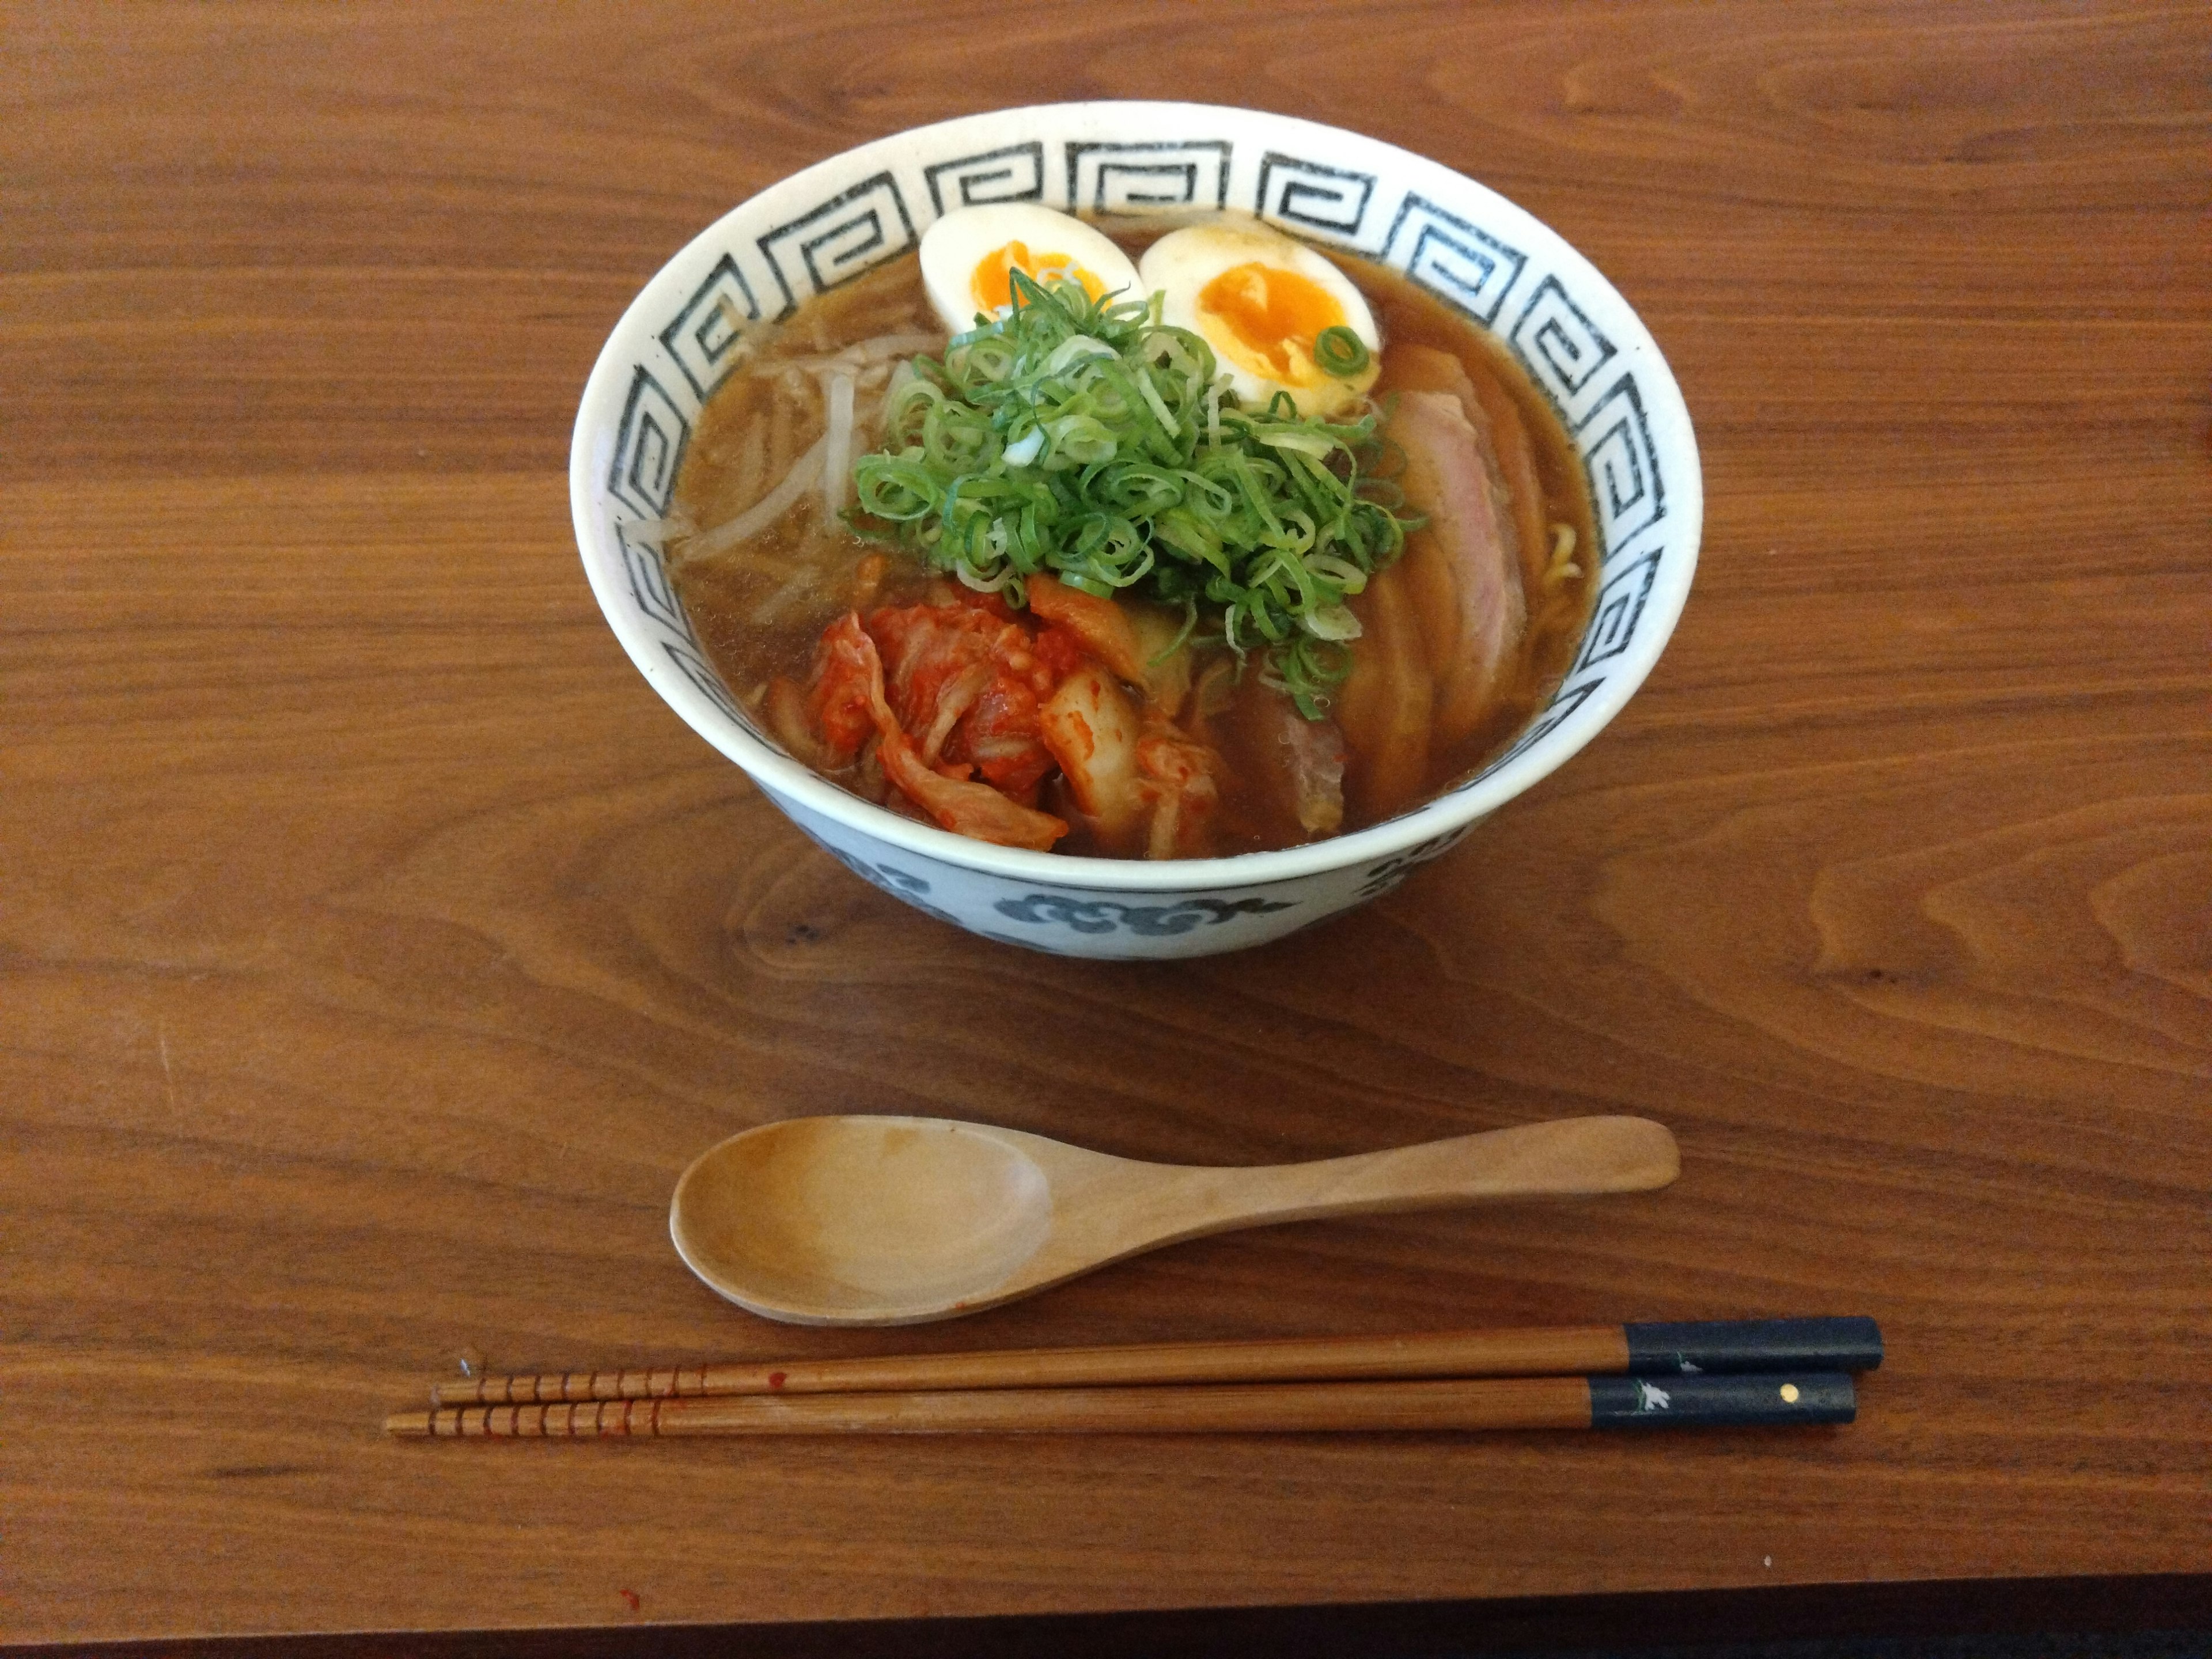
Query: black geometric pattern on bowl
(649, 448)
(1617, 452)
(1139, 178)
(852, 232)
(649, 586)
(1311, 199)
(702, 336)
(1562, 349)
(1619, 604)
(1015, 173)
(1461, 265)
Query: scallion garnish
(1339, 352)
(1083, 438)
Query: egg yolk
(992, 283)
(1274, 315)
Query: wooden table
(375, 947)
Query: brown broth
(759, 608)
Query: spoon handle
(1570, 1156)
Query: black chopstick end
(1696, 1346)
(1745, 1402)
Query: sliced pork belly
(1461, 569)
(1497, 422)
(1293, 768)
(1388, 704)
(1514, 452)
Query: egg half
(1260, 301)
(968, 258)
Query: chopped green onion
(1310, 670)
(1332, 621)
(1339, 352)
(1084, 438)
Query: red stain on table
(775, 1379)
(631, 1596)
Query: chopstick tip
(408, 1424)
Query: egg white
(1180, 265)
(956, 245)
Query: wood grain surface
(375, 947)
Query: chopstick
(1706, 1346)
(1532, 1402)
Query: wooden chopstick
(1532, 1402)
(1646, 1350)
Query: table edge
(2097, 1604)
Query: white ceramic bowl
(1578, 339)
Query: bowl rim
(782, 777)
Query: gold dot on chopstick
(1790, 1392)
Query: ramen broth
(761, 606)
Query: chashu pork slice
(1462, 572)
(1388, 704)
(1503, 432)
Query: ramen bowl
(1578, 341)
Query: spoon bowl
(879, 1220)
(824, 1216)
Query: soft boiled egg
(968, 258)
(1260, 301)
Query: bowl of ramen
(1136, 529)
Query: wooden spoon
(895, 1220)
